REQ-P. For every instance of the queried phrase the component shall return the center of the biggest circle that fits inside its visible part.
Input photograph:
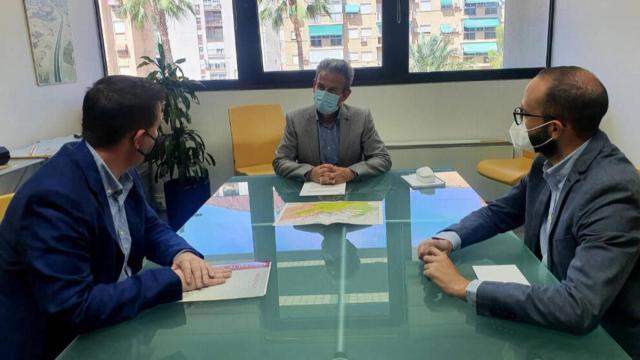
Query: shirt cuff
(472, 291)
(452, 236)
(182, 252)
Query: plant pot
(183, 198)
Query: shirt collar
(557, 174)
(335, 122)
(112, 186)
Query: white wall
(602, 36)
(422, 112)
(29, 112)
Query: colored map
(331, 212)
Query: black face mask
(543, 143)
(158, 143)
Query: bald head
(574, 96)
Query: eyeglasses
(519, 114)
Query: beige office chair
(506, 171)
(255, 134)
(4, 204)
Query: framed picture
(51, 42)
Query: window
(397, 55)
(213, 17)
(124, 42)
(469, 35)
(491, 9)
(124, 70)
(490, 33)
(122, 50)
(119, 27)
(336, 40)
(316, 41)
(325, 31)
(425, 5)
(215, 33)
(470, 9)
(479, 43)
(425, 29)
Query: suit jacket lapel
(568, 184)
(90, 170)
(312, 136)
(575, 175)
(539, 209)
(345, 129)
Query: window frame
(395, 56)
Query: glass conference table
(340, 291)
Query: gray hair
(337, 66)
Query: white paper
(44, 147)
(247, 280)
(311, 188)
(417, 184)
(500, 273)
(331, 212)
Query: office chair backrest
(4, 204)
(255, 133)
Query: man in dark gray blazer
(331, 142)
(580, 206)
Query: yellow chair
(255, 134)
(506, 171)
(4, 204)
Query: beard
(550, 147)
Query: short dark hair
(576, 96)
(116, 105)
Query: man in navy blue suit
(75, 235)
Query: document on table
(311, 188)
(247, 280)
(500, 273)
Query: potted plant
(182, 157)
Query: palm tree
(297, 11)
(434, 53)
(496, 56)
(157, 11)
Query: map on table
(331, 212)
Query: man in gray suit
(580, 206)
(331, 142)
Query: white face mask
(520, 137)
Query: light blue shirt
(555, 176)
(117, 191)
(329, 140)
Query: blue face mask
(326, 103)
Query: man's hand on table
(195, 273)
